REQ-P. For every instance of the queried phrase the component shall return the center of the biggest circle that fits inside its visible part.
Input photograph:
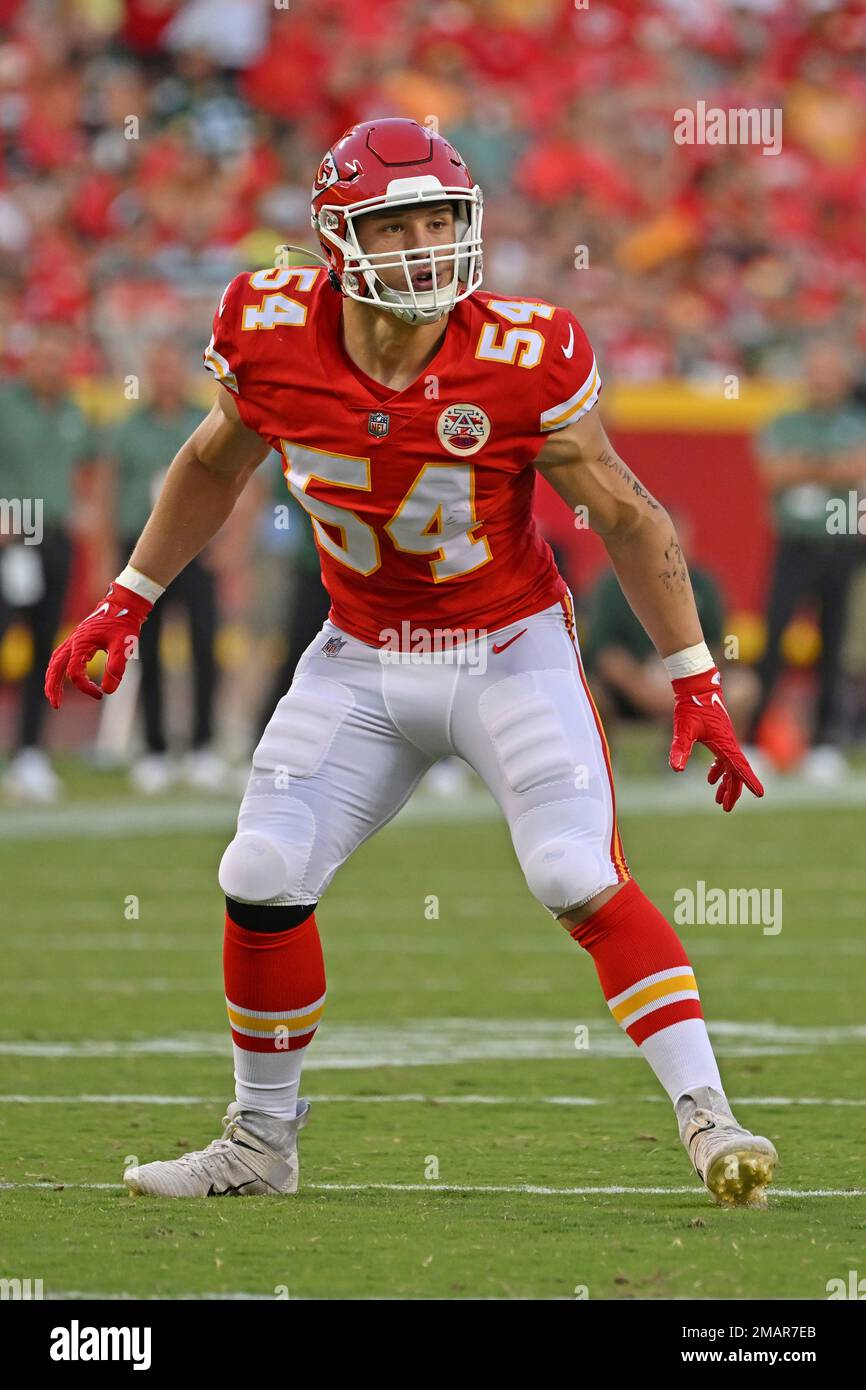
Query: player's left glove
(700, 717)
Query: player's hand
(700, 717)
(112, 627)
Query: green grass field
(460, 1145)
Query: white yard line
(94, 1296)
(415, 1098)
(635, 796)
(445, 1041)
(524, 1189)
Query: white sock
(269, 1081)
(682, 1057)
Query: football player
(412, 412)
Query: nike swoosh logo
(703, 1130)
(103, 608)
(715, 699)
(228, 1191)
(567, 351)
(498, 649)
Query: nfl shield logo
(334, 646)
(378, 423)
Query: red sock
(642, 965)
(275, 985)
(275, 995)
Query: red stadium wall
(710, 479)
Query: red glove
(700, 717)
(109, 628)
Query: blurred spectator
(306, 606)
(809, 458)
(43, 442)
(142, 446)
(628, 678)
(151, 149)
(148, 147)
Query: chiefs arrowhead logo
(326, 175)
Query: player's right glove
(112, 627)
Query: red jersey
(420, 499)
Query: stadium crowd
(150, 149)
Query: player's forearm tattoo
(676, 575)
(610, 460)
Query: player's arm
(582, 465)
(201, 487)
(580, 462)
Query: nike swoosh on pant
(497, 649)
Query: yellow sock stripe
(292, 1023)
(658, 991)
(267, 1014)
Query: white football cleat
(30, 777)
(153, 774)
(257, 1155)
(735, 1165)
(824, 765)
(448, 778)
(206, 771)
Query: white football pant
(349, 742)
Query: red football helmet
(397, 163)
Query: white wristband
(691, 661)
(140, 584)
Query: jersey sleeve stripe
(219, 367)
(578, 404)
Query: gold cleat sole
(741, 1178)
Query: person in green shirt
(811, 461)
(627, 677)
(141, 448)
(284, 525)
(44, 440)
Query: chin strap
(333, 277)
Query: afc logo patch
(463, 429)
(378, 423)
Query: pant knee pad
(564, 873)
(562, 848)
(253, 869)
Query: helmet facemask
(359, 273)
